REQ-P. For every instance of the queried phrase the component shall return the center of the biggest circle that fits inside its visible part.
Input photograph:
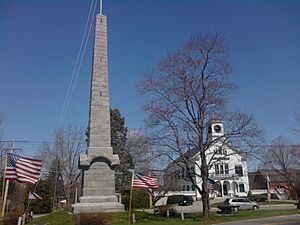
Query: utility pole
(55, 185)
(6, 184)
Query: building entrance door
(225, 190)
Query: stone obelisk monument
(97, 165)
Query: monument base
(93, 204)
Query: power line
(55, 142)
(79, 59)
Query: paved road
(277, 220)
(197, 207)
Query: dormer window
(221, 151)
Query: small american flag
(34, 196)
(141, 181)
(212, 185)
(23, 170)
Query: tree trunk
(205, 192)
(205, 200)
(205, 204)
(68, 194)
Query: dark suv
(186, 200)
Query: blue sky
(39, 41)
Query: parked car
(241, 203)
(186, 200)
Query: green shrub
(140, 199)
(40, 206)
(259, 198)
(249, 195)
(92, 219)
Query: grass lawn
(63, 218)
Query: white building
(229, 167)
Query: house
(279, 187)
(229, 167)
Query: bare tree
(283, 157)
(60, 159)
(1, 144)
(296, 121)
(184, 92)
(140, 147)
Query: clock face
(217, 128)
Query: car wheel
(255, 207)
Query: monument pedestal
(96, 207)
(98, 190)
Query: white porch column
(222, 188)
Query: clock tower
(215, 129)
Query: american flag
(24, 170)
(212, 185)
(34, 196)
(141, 181)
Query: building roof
(258, 179)
(188, 154)
(194, 151)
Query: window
(187, 187)
(226, 169)
(221, 169)
(217, 171)
(192, 169)
(242, 187)
(221, 151)
(239, 170)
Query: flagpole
(130, 199)
(150, 197)
(268, 188)
(5, 198)
(7, 182)
(34, 190)
(150, 194)
(3, 186)
(3, 182)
